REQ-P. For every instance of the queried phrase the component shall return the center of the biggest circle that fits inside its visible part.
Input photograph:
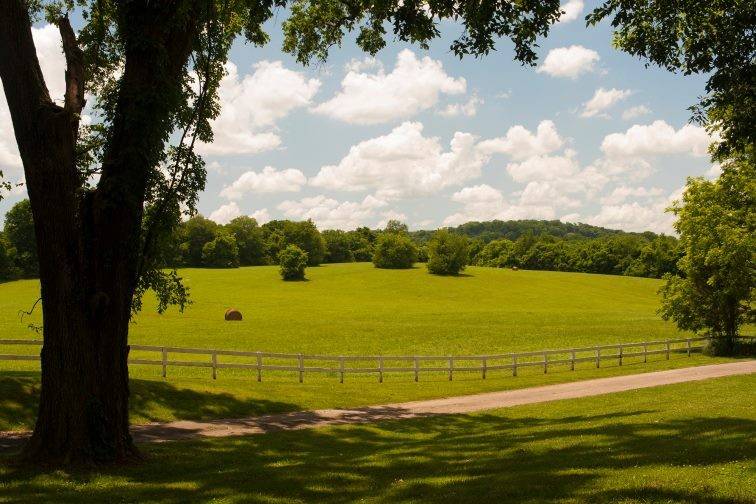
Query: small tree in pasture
(293, 261)
(447, 253)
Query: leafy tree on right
(716, 221)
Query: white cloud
(544, 168)
(572, 10)
(404, 163)
(371, 98)
(602, 100)
(634, 169)
(468, 108)
(225, 213)
(261, 216)
(621, 193)
(53, 65)
(637, 111)
(569, 61)
(328, 213)
(391, 215)
(570, 217)
(519, 143)
(635, 216)
(251, 104)
(269, 180)
(657, 138)
(542, 194)
(483, 202)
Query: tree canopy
(716, 221)
(712, 38)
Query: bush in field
(394, 251)
(447, 253)
(221, 252)
(293, 261)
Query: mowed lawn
(357, 309)
(684, 443)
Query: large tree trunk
(89, 241)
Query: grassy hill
(355, 308)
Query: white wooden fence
(416, 364)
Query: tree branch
(74, 97)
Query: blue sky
(589, 135)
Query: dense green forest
(528, 244)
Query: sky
(588, 135)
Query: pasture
(356, 309)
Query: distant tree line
(527, 244)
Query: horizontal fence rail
(258, 362)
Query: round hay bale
(233, 314)
(515, 268)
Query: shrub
(221, 252)
(447, 253)
(394, 251)
(293, 261)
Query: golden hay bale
(233, 314)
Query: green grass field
(685, 443)
(357, 309)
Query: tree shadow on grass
(150, 400)
(477, 458)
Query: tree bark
(89, 241)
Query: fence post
(572, 361)
(545, 363)
(380, 369)
(215, 364)
(620, 354)
(451, 367)
(417, 366)
(164, 360)
(259, 367)
(514, 364)
(667, 342)
(645, 353)
(688, 342)
(341, 369)
(485, 367)
(301, 368)
(598, 358)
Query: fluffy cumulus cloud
(251, 104)
(226, 213)
(572, 11)
(483, 202)
(53, 65)
(468, 108)
(369, 95)
(569, 62)
(520, 143)
(328, 213)
(621, 193)
(657, 138)
(404, 163)
(637, 111)
(269, 180)
(648, 215)
(602, 100)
